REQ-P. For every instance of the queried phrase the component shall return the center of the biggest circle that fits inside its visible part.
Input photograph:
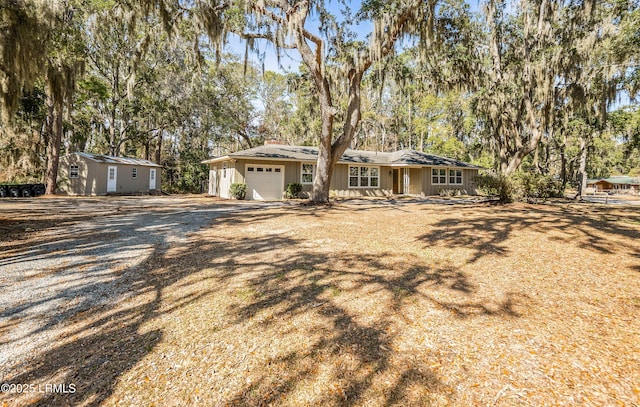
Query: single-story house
(267, 170)
(618, 183)
(95, 174)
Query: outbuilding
(95, 174)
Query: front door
(406, 182)
(152, 178)
(112, 179)
(396, 188)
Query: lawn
(369, 303)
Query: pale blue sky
(290, 60)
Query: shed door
(264, 182)
(224, 180)
(213, 181)
(152, 178)
(112, 178)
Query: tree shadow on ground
(315, 285)
(106, 333)
(75, 298)
(486, 234)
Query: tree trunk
(159, 147)
(563, 164)
(330, 152)
(112, 133)
(582, 170)
(54, 141)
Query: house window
(455, 177)
(224, 170)
(73, 171)
(307, 173)
(153, 175)
(250, 169)
(134, 173)
(438, 176)
(364, 177)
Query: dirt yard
(191, 301)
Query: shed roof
(302, 153)
(117, 160)
(616, 180)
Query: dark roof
(301, 153)
(117, 160)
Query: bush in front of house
(238, 191)
(293, 190)
(519, 187)
(452, 192)
(530, 187)
(490, 184)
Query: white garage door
(264, 181)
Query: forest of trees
(537, 86)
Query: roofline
(215, 160)
(227, 158)
(239, 156)
(88, 157)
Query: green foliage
(293, 190)
(238, 191)
(531, 187)
(490, 184)
(519, 187)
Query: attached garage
(264, 182)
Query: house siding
(340, 183)
(468, 182)
(420, 178)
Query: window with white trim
(134, 172)
(438, 176)
(364, 177)
(307, 173)
(455, 177)
(73, 171)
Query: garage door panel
(264, 182)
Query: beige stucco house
(95, 174)
(269, 168)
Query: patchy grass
(376, 305)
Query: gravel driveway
(88, 259)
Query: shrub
(494, 185)
(293, 190)
(529, 187)
(452, 192)
(238, 191)
(522, 186)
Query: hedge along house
(269, 168)
(94, 174)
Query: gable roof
(117, 160)
(302, 153)
(617, 180)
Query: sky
(290, 60)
